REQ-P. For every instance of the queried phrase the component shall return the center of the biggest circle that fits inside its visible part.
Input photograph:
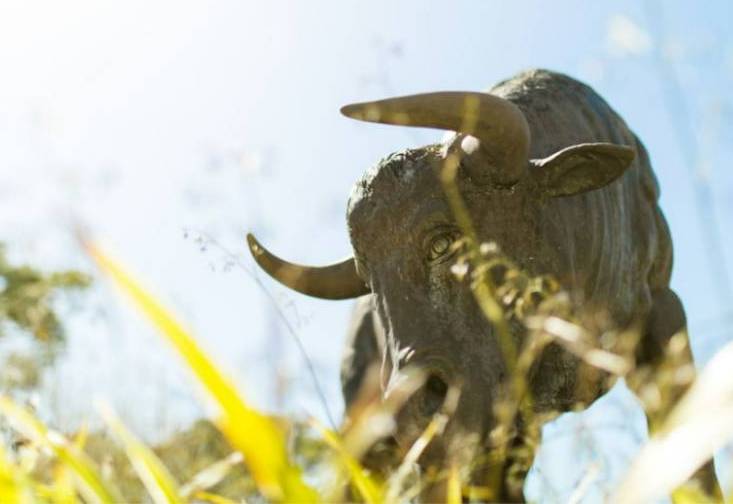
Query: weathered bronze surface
(551, 174)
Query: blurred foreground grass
(244, 455)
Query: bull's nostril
(434, 394)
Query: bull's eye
(441, 246)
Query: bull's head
(402, 229)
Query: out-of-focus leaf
(700, 424)
(160, 484)
(89, 482)
(258, 438)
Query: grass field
(246, 455)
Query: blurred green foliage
(26, 297)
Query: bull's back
(613, 243)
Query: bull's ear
(581, 168)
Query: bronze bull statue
(550, 173)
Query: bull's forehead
(400, 201)
(397, 192)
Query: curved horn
(498, 124)
(336, 281)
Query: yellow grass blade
(215, 499)
(159, 483)
(371, 417)
(89, 482)
(700, 424)
(691, 494)
(62, 490)
(80, 438)
(435, 427)
(211, 476)
(261, 442)
(396, 481)
(367, 488)
(454, 487)
(14, 485)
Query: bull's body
(555, 177)
(610, 247)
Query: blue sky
(146, 119)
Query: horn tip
(254, 246)
(353, 110)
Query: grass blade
(211, 476)
(700, 424)
(258, 438)
(62, 490)
(14, 483)
(454, 486)
(89, 482)
(367, 488)
(435, 427)
(215, 499)
(159, 483)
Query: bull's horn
(498, 124)
(336, 281)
